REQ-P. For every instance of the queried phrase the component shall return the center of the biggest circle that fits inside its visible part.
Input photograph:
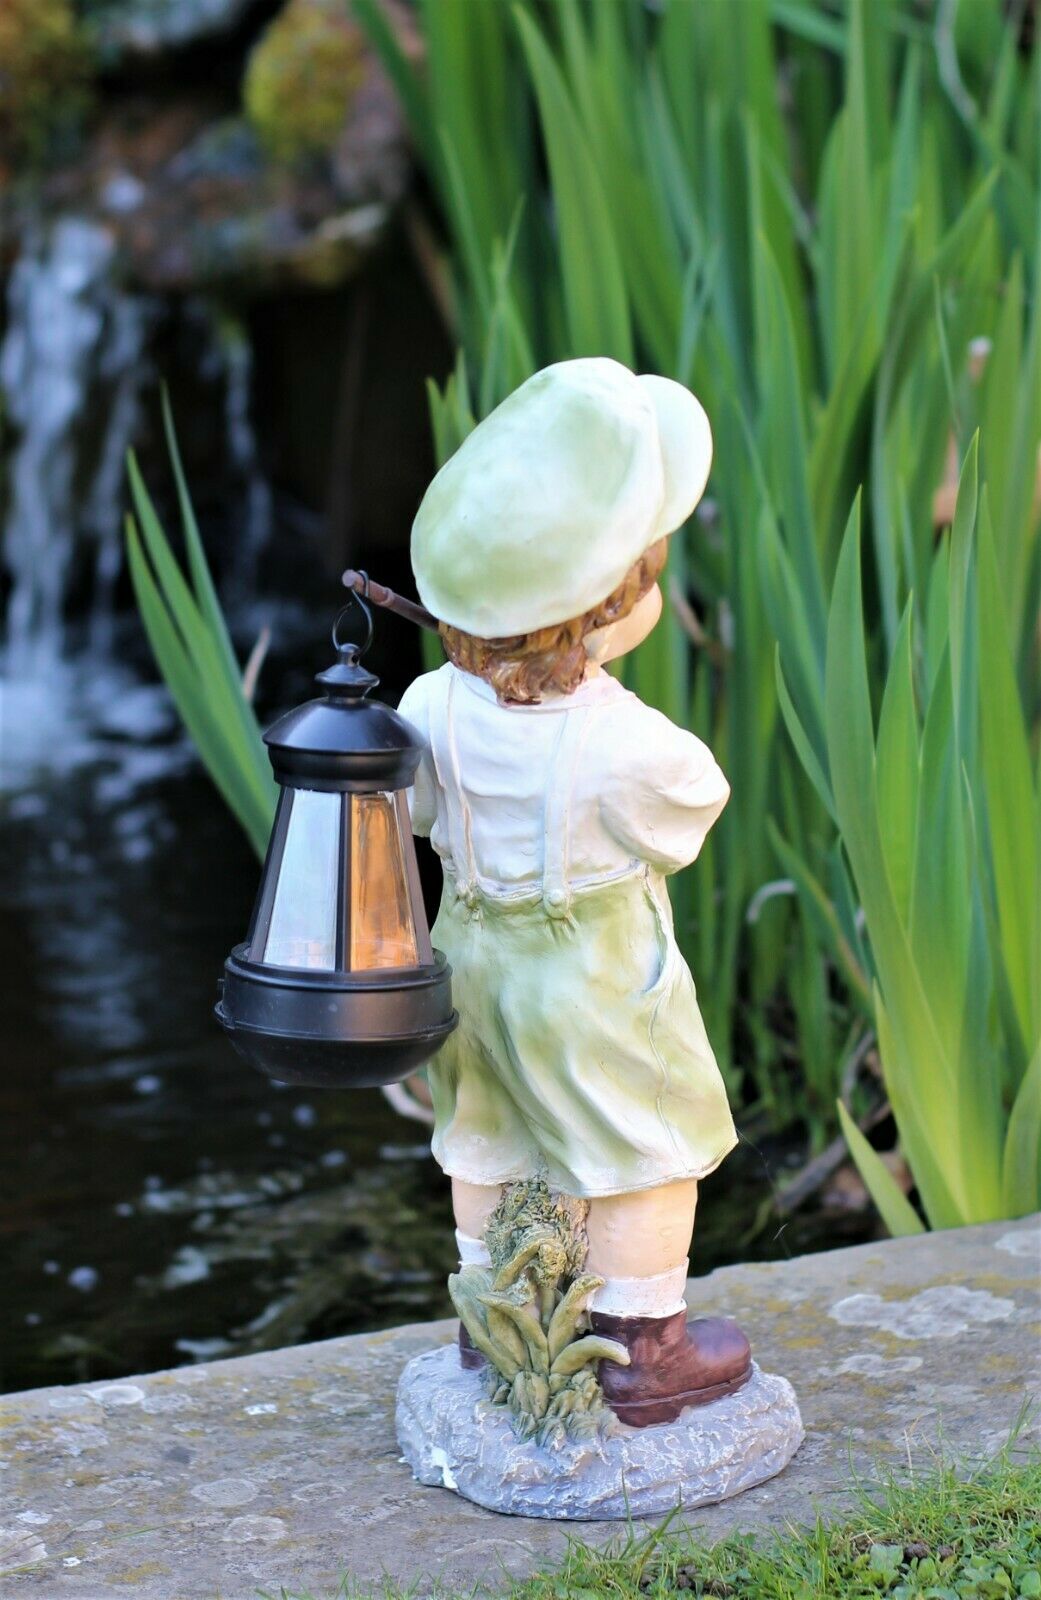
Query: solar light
(337, 983)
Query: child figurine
(559, 803)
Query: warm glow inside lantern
(337, 982)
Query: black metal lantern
(337, 983)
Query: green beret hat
(551, 499)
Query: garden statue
(578, 1104)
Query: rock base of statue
(452, 1436)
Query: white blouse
(636, 789)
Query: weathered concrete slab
(283, 1468)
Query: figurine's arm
(422, 797)
(663, 793)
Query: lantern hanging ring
(349, 647)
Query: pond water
(159, 1203)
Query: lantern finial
(348, 677)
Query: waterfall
(75, 369)
(71, 371)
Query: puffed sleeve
(663, 789)
(422, 797)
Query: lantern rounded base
(333, 1063)
(335, 1030)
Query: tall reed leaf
(594, 285)
(188, 636)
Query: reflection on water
(160, 1203)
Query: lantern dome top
(344, 741)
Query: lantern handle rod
(380, 595)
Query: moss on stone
(45, 69)
(301, 78)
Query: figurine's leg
(638, 1243)
(473, 1204)
(633, 1237)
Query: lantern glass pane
(383, 929)
(303, 916)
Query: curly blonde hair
(525, 666)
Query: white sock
(472, 1252)
(659, 1296)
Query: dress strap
(556, 886)
(458, 817)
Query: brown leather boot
(673, 1364)
(469, 1358)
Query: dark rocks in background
(277, 299)
(194, 203)
(131, 30)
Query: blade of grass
(189, 693)
(1011, 803)
(208, 651)
(594, 284)
(896, 1211)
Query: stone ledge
(283, 1468)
